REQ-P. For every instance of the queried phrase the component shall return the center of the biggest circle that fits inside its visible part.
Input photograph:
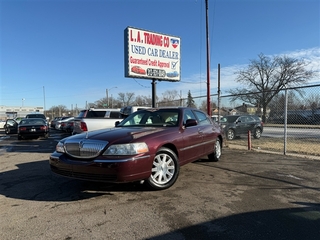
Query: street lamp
(107, 93)
(22, 101)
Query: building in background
(16, 111)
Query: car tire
(19, 137)
(215, 156)
(7, 131)
(231, 134)
(257, 133)
(165, 169)
(46, 135)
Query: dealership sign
(151, 55)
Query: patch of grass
(306, 146)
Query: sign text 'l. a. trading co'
(152, 55)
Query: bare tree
(58, 111)
(126, 98)
(313, 103)
(265, 77)
(143, 101)
(101, 103)
(169, 98)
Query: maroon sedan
(149, 146)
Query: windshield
(36, 121)
(152, 118)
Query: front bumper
(102, 169)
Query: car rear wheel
(257, 133)
(7, 131)
(215, 156)
(165, 169)
(231, 134)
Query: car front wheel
(165, 170)
(257, 133)
(215, 156)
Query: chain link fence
(291, 123)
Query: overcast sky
(68, 52)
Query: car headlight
(60, 147)
(127, 149)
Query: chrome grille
(85, 148)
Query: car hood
(117, 135)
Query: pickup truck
(94, 119)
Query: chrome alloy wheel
(217, 149)
(163, 169)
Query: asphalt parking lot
(247, 195)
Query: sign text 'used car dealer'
(151, 55)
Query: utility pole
(107, 94)
(208, 63)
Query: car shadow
(35, 181)
(301, 222)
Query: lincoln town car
(149, 146)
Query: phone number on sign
(156, 72)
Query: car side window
(113, 114)
(243, 119)
(96, 114)
(188, 114)
(11, 122)
(203, 119)
(250, 119)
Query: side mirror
(116, 123)
(191, 122)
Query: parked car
(58, 123)
(11, 126)
(236, 125)
(36, 115)
(70, 127)
(54, 121)
(94, 119)
(216, 118)
(149, 146)
(67, 125)
(33, 128)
